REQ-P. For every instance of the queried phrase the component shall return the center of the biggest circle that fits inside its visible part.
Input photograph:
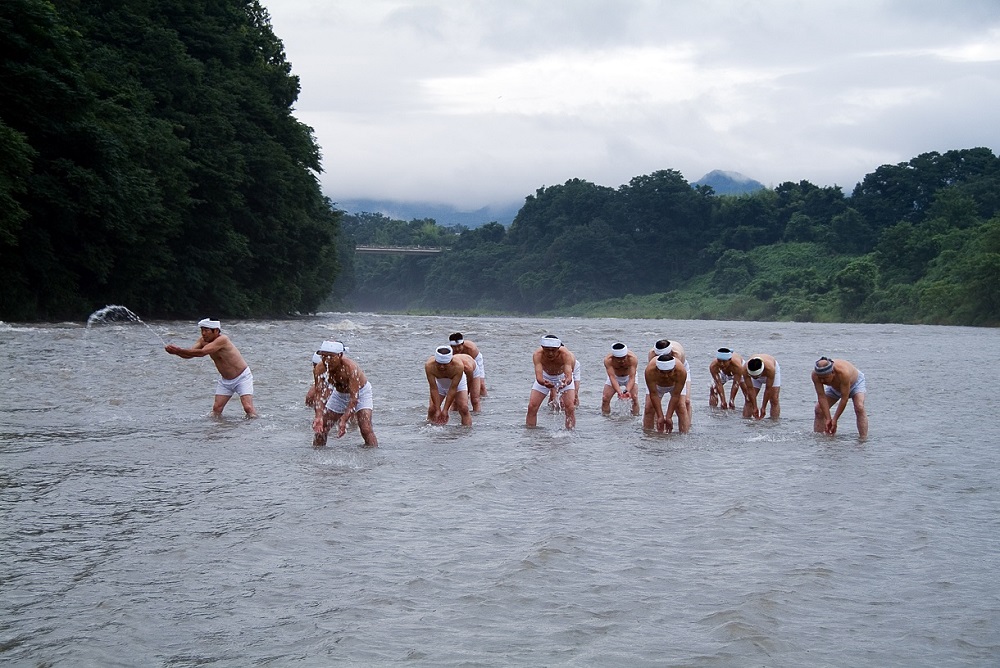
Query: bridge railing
(400, 250)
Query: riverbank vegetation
(917, 242)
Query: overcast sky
(479, 102)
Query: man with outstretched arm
(448, 382)
(351, 394)
(236, 377)
(727, 366)
(838, 380)
(762, 371)
(664, 375)
(553, 364)
(621, 365)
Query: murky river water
(140, 531)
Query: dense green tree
(160, 164)
(855, 284)
(799, 252)
(904, 192)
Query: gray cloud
(481, 102)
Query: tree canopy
(149, 156)
(915, 242)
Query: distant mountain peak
(729, 183)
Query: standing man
(838, 380)
(727, 366)
(446, 377)
(621, 365)
(553, 369)
(460, 345)
(351, 394)
(762, 371)
(665, 376)
(236, 377)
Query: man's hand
(831, 426)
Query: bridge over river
(400, 250)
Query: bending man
(621, 365)
(838, 380)
(351, 394)
(553, 369)
(448, 380)
(665, 376)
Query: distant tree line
(149, 157)
(915, 242)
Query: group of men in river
(456, 378)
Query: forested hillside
(917, 242)
(149, 157)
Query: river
(140, 531)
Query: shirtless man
(761, 371)
(351, 395)
(838, 380)
(236, 376)
(449, 383)
(666, 347)
(553, 369)
(664, 375)
(621, 365)
(460, 345)
(727, 366)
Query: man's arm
(769, 393)
(630, 384)
(739, 385)
(537, 361)
(821, 398)
(845, 392)
(751, 391)
(675, 396)
(319, 376)
(612, 378)
(200, 348)
(654, 394)
(186, 353)
(720, 388)
(449, 398)
(568, 369)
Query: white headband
(665, 351)
(724, 354)
(758, 371)
(210, 324)
(335, 347)
(665, 364)
(456, 342)
(551, 342)
(619, 350)
(443, 355)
